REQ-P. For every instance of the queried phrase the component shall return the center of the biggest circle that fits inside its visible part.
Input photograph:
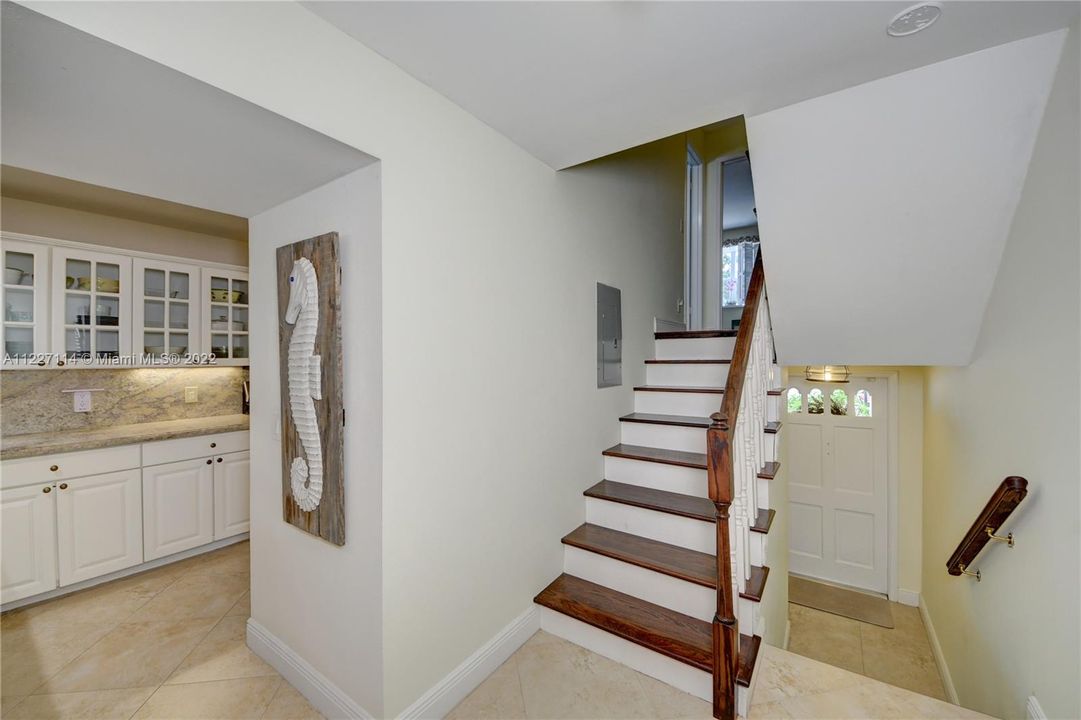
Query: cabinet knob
(209, 462)
(63, 486)
(54, 468)
(219, 459)
(46, 489)
(213, 445)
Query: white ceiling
(885, 208)
(573, 81)
(78, 107)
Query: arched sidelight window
(795, 401)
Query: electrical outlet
(191, 394)
(81, 400)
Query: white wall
(1014, 411)
(323, 601)
(884, 207)
(492, 423)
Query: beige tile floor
(900, 656)
(550, 678)
(168, 643)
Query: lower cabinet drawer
(167, 451)
(64, 466)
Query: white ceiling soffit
(574, 81)
(884, 208)
(78, 107)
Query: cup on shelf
(12, 276)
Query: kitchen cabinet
(99, 525)
(25, 294)
(232, 506)
(178, 506)
(167, 309)
(28, 553)
(91, 306)
(225, 330)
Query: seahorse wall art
(312, 414)
(305, 384)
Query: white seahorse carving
(305, 384)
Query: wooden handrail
(1005, 500)
(721, 490)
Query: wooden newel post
(725, 628)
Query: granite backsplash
(31, 400)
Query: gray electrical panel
(609, 337)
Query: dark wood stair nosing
(763, 521)
(681, 458)
(672, 560)
(679, 389)
(662, 419)
(693, 334)
(688, 506)
(748, 658)
(769, 470)
(772, 428)
(756, 585)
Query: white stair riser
(659, 476)
(670, 437)
(747, 612)
(775, 407)
(660, 589)
(687, 374)
(677, 674)
(758, 548)
(677, 403)
(694, 349)
(762, 490)
(772, 445)
(664, 527)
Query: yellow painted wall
(33, 218)
(1014, 411)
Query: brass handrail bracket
(966, 571)
(998, 538)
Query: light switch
(191, 394)
(81, 400)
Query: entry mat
(840, 601)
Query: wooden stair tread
(748, 656)
(688, 506)
(658, 455)
(689, 362)
(692, 334)
(763, 521)
(658, 419)
(756, 585)
(675, 635)
(769, 470)
(679, 389)
(772, 428)
(678, 562)
(775, 391)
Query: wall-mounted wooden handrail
(1007, 497)
(721, 490)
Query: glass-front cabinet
(25, 295)
(91, 323)
(225, 331)
(167, 310)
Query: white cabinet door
(91, 306)
(166, 309)
(232, 508)
(178, 507)
(25, 295)
(99, 524)
(225, 318)
(28, 562)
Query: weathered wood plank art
(310, 357)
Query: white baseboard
(324, 695)
(940, 659)
(908, 597)
(462, 680)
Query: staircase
(643, 582)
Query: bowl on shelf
(82, 283)
(108, 285)
(237, 296)
(69, 282)
(12, 276)
(219, 294)
(219, 325)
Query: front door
(837, 481)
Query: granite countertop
(45, 443)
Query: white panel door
(232, 507)
(837, 482)
(178, 507)
(99, 522)
(28, 528)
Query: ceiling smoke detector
(913, 19)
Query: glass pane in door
(154, 343)
(178, 315)
(239, 295)
(154, 283)
(18, 341)
(19, 305)
(78, 274)
(240, 319)
(107, 311)
(219, 289)
(153, 313)
(77, 343)
(179, 286)
(240, 346)
(219, 317)
(77, 309)
(108, 279)
(18, 268)
(178, 343)
(219, 345)
(108, 343)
